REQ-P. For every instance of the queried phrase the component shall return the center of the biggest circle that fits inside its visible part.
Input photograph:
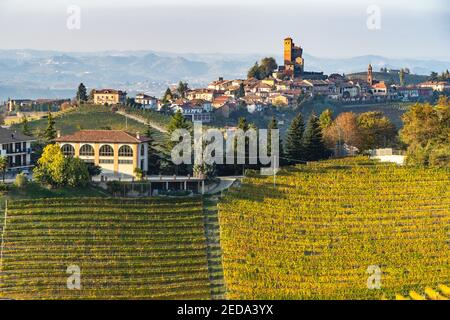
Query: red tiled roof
(107, 136)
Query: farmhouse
(109, 97)
(16, 147)
(118, 153)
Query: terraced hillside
(153, 249)
(343, 229)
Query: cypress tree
(294, 140)
(313, 143)
(82, 93)
(50, 131)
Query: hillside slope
(124, 249)
(324, 228)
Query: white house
(16, 147)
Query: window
(106, 151)
(106, 161)
(68, 150)
(142, 150)
(125, 151)
(86, 150)
(121, 161)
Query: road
(225, 183)
(141, 120)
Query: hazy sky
(327, 28)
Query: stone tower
(293, 60)
(370, 75)
(288, 46)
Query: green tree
(3, 166)
(50, 131)
(93, 169)
(76, 172)
(25, 126)
(81, 94)
(264, 69)
(314, 145)
(178, 122)
(168, 96)
(254, 72)
(182, 89)
(294, 149)
(268, 66)
(433, 76)
(326, 119)
(376, 130)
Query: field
(124, 249)
(327, 229)
(91, 117)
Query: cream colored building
(109, 97)
(118, 153)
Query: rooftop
(106, 136)
(11, 136)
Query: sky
(324, 28)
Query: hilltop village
(268, 85)
(271, 93)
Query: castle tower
(288, 46)
(370, 75)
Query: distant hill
(390, 77)
(53, 74)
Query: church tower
(370, 75)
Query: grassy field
(325, 229)
(91, 117)
(124, 249)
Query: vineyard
(123, 249)
(338, 229)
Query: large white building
(118, 153)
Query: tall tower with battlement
(293, 60)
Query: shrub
(21, 180)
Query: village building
(16, 147)
(203, 94)
(118, 153)
(439, 86)
(109, 97)
(146, 101)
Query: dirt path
(141, 120)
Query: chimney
(58, 133)
(220, 78)
(138, 136)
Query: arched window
(68, 150)
(125, 151)
(142, 150)
(106, 151)
(86, 150)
